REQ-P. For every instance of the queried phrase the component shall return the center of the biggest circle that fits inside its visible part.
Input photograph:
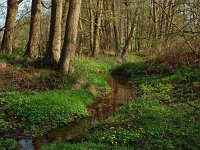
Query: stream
(102, 109)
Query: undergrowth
(8, 144)
(94, 72)
(166, 114)
(41, 112)
(82, 146)
(44, 99)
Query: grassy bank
(36, 101)
(166, 114)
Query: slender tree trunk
(69, 46)
(96, 45)
(80, 43)
(154, 22)
(34, 34)
(128, 41)
(7, 42)
(54, 46)
(91, 24)
(64, 19)
(116, 32)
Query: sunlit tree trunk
(33, 45)
(116, 29)
(54, 46)
(8, 39)
(69, 46)
(97, 25)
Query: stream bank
(102, 109)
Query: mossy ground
(34, 101)
(164, 116)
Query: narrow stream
(102, 109)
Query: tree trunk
(33, 45)
(64, 19)
(7, 42)
(96, 45)
(54, 46)
(91, 25)
(80, 43)
(128, 41)
(69, 46)
(115, 26)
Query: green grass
(94, 72)
(82, 146)
(43, 111)
(8, 144)
(166, 114)
(16, 58)
(40, 112)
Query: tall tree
(91, 24)
(96, 45)
(128, 41)
(32, 49)
(12, 9)
(69, 45)
(54, 46)
(115, 26)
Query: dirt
(28, 79)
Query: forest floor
(165, 115)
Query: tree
(128, 41)
(116, 29)
(12, 9)
(96, 45)
(54, 46)
(32, 49)
(69, 45)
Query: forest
(99, 74)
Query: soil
(28, 80)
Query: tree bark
(54, 46)
(69, 46)
(128, 41)
(91, 24)
(7, 42)
(115, 26)
(33, 45)
(96, 44)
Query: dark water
(102, 109)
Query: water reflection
(101, 110)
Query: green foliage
(4, 124)
(82, 146)
(94, 72)
(14, 58)
(135, 73)
(166, 114)
(120, 135)
(8, 144)
(48, 110)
